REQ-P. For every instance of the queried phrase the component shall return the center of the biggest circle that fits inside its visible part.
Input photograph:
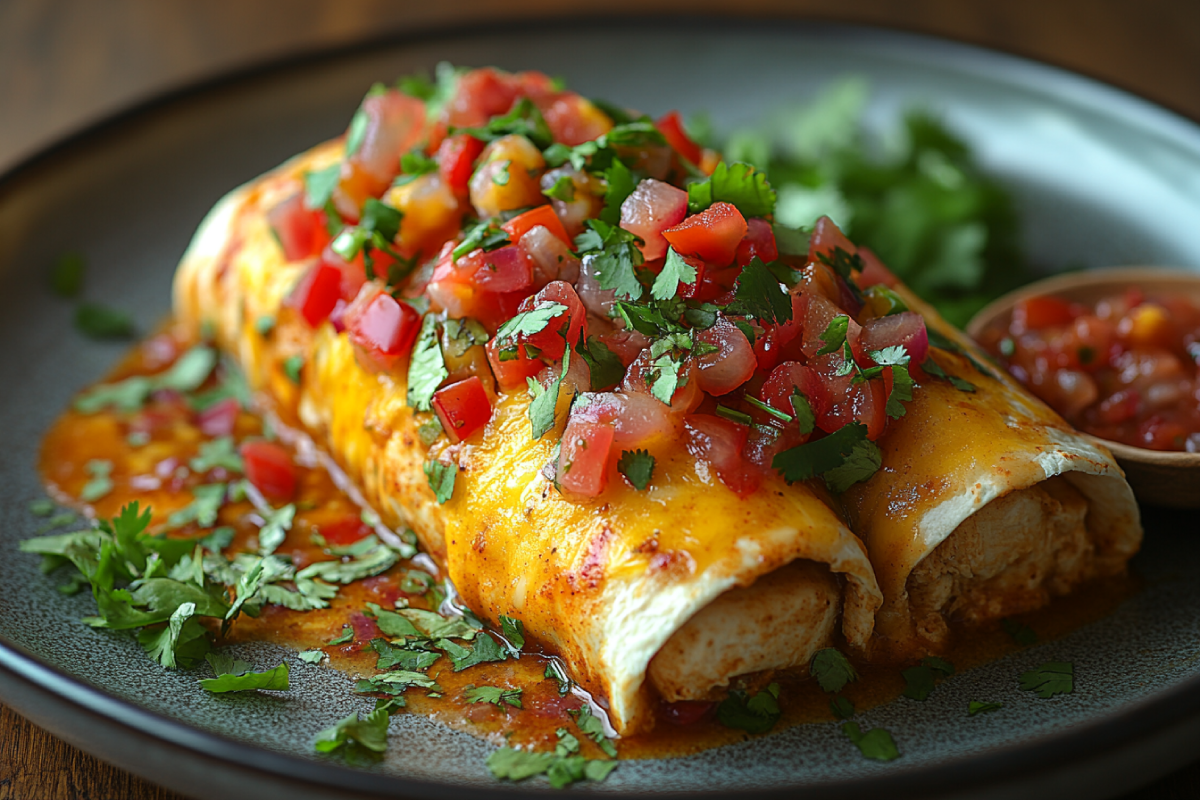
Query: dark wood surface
(64, 63)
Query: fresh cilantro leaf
(42, 508)
(863, 461)
(375, 561)
(637, 466)
(66, 276)
(844, 264)
(756, 714)
(100, 481)
(902, 392)
(606, 368)
(486, 235)
(563, 189)
(933, 368)
(347, 635)
(738, 183)
(834, 336)
(428, 432)
(319, 185)
(977, 707)
(514, 632)
(527, 323)
(556, 672)
(484, 650)
(413, 164)
(614, 254)
(359, 122)
(517, 765)
(493, 694)
(876, 744)
(274, 529)
(674, 272)
(357, 739)
(247, 584)
(206, 502)
(664, 377)
(545, 402)
(619, 183)
(292, 365)
(101, 322)
(961, 385)
(391, 656)
(312, 656)
(759, 295)
(832, 669)
(1021, 633)
(823, 455)
(218, 540)
(1050, 679)
(918, 682)
(397, 682)
(501, 177)
(790, 241)
(181, 642)
(524, 120)
(884, 299)
(593, 727)
(416, 582)
(394, 624)
(219, 452)
(597, 155)
(841, 707)
(126, 395)
(806, 418)
(427, 369)
(238, 677)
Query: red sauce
(1123, 369)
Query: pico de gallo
(494, 233)
(1123, 368)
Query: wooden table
(64, 63)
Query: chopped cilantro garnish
(527, 323)
(738, 183)
(790, 241)
(486, 235)
(311, 656)
(392, 657)
(614, 255)
(834, 336)
(841, 707)
(597, 155)
(556, 672)
(545, 400)
(883, 298)
(441, 479)
(562, 767)
(493, 694)
(593, 727)
(755, 714)
(514, 633)
(876, 744)
(483, 650)
(501, 177)
(427, 369)
(806, 418)
(664, 377)
(66, 276)
(319, 185)
(768, 409)
(863, 461)
(832, 669)
(101, 322)
(605, 366)
(846, 453)
(638, 467)
(619, 184)
(563, 189)
(219, 452)
(428, 432)
(674, 272)
(234, 675)
(292, 365)
(100, 481)
(415, 163)
(524, 120)
(759, 295)
(1021, 633)
(357, 739)
(181, 642)
(274, 529)
(347, 635)
(1050, 679)
(42, 508)
(934, 369)
(206, 502)
(976, 707)
(919, 680)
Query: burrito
(576, 476)
(987, 503)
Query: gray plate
(1102, 178)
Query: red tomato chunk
(463, 408)
(269, 467)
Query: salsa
(1123, 368)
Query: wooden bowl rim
(1116, 277)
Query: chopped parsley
(614, 255)
(876, 744)
(756, 713)
(311, 656)
(1050, 679)
(593, 727)
(527, 323)
(482, 651)
(834, 336)
(563, 189)
(513, 631)
(675, 271)
(843, 458)
(493, 694)
(358, 740)
(426, 370)
(180, 643)
(562, 767)
(832, 669)
(976, 707)
(739, 184)
(760, 295)
(405, 658)
(637, 466)
(234, 675)
(545, 400)
(485, 235)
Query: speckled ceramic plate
(1101, 177)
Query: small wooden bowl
(1160, 478)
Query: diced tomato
(269, 467)
(521, 224)
(512, 367)
(345, 530)
(573, 120)
(653, 207)
(316, 293)
(788, 378)
(639, 377)
(481, 94)
(864, 402)
(670, 125)
(463, 408)
(874, 272)
(759, 241)
(719, 442)
(1036, 313)
(826, 238)
(552, 339)
(220, 418)
(298, 229)
(783, 342)
(819, 312)
(687, 712)
(1119, 407)
(456, 160)
(732, 363)
(382, 327)
(505, 269)
(906, 329)
(552, 258)
(714, 234)
(583, 460)
(395, 123)
(639, 419)
(352, 274)
(703, 288)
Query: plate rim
(1148, 719)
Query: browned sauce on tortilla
(153, 470)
